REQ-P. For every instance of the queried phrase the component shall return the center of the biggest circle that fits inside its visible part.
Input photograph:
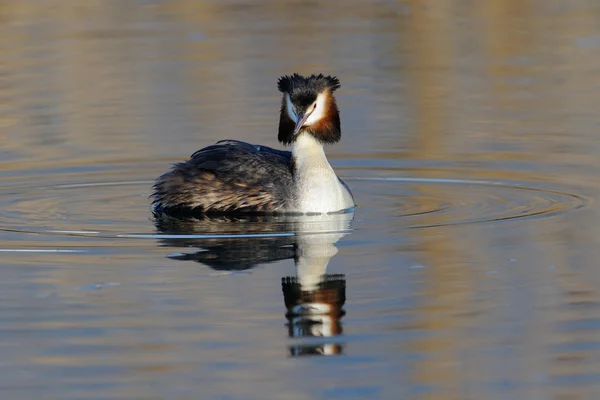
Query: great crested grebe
(237, 177)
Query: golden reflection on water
(499, 89)
(512, 33)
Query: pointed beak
(301, 121)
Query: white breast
(318, 189)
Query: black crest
(298, 85)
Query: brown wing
(230, 176)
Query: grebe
(237, 177)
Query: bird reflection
(229, 243)
(313, 299)
(315, 311)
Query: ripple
(120, 209)
(431, 202)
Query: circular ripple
(121, 209)
(429, 202)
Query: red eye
(315, 106)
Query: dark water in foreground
(468, 271)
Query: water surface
(468, 270)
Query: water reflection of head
(315, 299)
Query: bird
(233, 177)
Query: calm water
(468, 271)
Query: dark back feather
(229, 176)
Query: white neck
(317, 188)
